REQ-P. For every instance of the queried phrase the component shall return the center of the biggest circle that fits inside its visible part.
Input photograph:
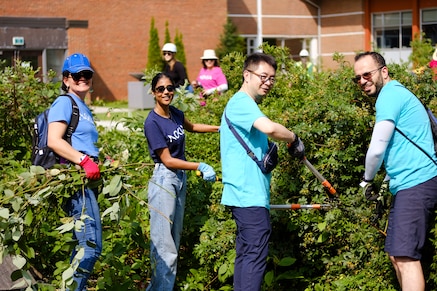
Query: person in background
(246, 189)
(173, 67)
(77, 77)
(211, 78)
(433, 63)
(413, 175)
(305, 63)
(164, 129)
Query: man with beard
(412, 173)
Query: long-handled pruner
(299, 206)
(328, 187)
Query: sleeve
(221, 78)
(60, 110)
(154, 135)
(381, 136)
(182, 73)
(244, 114)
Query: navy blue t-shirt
(164, 132)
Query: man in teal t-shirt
(246, 189)
(412, 171)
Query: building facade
(326, 27)
(115, 34)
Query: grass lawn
(118, 110)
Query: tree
(422, 51)
(178, 41)
(154, 59)
(230, 40)
(167, 37)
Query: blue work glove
(207, 172)
(296, 149)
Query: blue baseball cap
(76, 63)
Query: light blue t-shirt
(244, 183)
(85, 136)
(406, 165)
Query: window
(392, 30)
(429, 24)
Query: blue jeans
(166, 198)
(90, 237)
(252, 246)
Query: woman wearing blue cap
(77, 77)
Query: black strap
(74, 119)
(245, 146)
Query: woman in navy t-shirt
(164, 129)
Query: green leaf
(16, 234)
(67, 274)
(28, 218)
(4, 213)
(114, 186)
(16, 203)
(269, 277)
(42, 191)
(79, 225)
(66, 227)
(287, 261)
(321, 226)
(54, 172)
(8, 193)
(16, 275)
(18, 261)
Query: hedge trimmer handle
(299, 206)
(328, 187)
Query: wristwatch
(82, 158)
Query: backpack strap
(74, 119)
(249, 152)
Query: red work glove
(92, 170)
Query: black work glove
(369, 190)
(296, 149)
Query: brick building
(115, 34)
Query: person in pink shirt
(433, 63)
(211, 78)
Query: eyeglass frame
(164, 53)
(263, 78)
(161, 89)
(87, 74)
(366, 75)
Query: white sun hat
(209, 55)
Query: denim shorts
(409, 219)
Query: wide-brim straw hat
(209, 55)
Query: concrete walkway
(109, 124)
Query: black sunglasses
(367, 75)
(167, 53)
(161, 89)
(77, 76)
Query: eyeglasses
(161, 89)
(367, 75)
(209, 60)
(167, 53)
(77, 76)
(263, 78)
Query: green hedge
(336, 249)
